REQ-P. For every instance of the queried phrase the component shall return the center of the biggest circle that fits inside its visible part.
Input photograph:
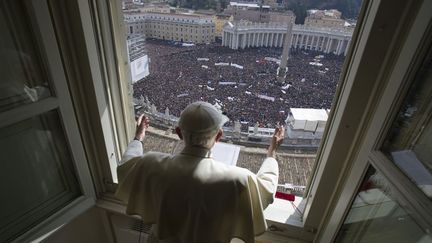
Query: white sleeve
(261, 190)
(267, 178)
(126, 165)
(134, 149)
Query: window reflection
(22, 77)
(36, 173)
(376, 216)
(409, 142)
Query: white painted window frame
(60, 101)
(397, 75)
(110, 27)
(328, 190)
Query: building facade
(326, 19)
(171, 26)
(327, 40)
(220, 20)
(255, 13)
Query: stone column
(347, 47)
(305, 42)
(276, 42)
(316, 42)
(292, 40)
(339, 45)
(281, 39)
(262, 40)
(312, 38)
(320, 42)
(232, 41)
(300, 37)
(257, 39)
(271, 40)
(301, 41)
(328, 46)
(238, 43)
(299, 44)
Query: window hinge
(274, 228)
(108, 182)
(310, 230)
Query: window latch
(274, 228)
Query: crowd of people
(248, 91)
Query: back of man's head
(199, 123)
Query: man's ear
(219, 135)
(178, 131)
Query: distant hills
(349, 8)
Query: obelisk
(283, 69)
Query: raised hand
(141, 127)
(277, 140)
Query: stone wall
(293, 168)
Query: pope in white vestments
(190, 197)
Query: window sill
(57, 220)
(282, 211)
(287, 227)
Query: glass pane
(36, 173)
(22, 72)
(409, 142)
(375, 216)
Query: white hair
(199, 139)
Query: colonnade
(257, 39)
(307, 38)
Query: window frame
(60, 102)
(327, 190)
(116, 33)
(406, 51)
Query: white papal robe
(191, 198)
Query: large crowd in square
(243, 83)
